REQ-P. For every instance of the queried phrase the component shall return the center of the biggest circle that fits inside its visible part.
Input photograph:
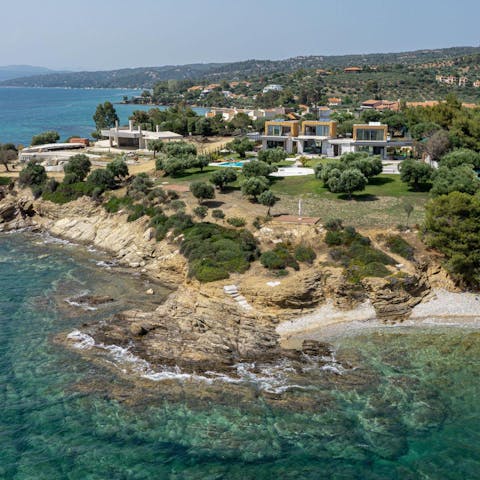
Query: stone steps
(232, 290)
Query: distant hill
(147, 77)
(10, 72)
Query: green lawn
(381, 186)
(5, 180)
(191, 175)
(381, 205)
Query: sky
(108, 34)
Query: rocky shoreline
(200, 327)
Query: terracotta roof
(371, 102)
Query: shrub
(334, 224)
(175, 166)
(452, 226)
(205, 272)
(268, 199)
(257, 223)
(305, 254)
(114, 204)
(417, 175)
(178, 205)
(158, 195)
(278, 259)
(101, 179)
(5, 181)
(178, 149)
(241, 146)
(118, 168)
(355, 253)
(214, 251)
(272, 155)
(70, 179)
(456, 179)
(202, 191)
(78, 167)
(51, 185)
(220, 178)
(138, 211)
(333, 237)
(236, 221)
(396, 244)
(200, 211)
(459, 157)
(45, 137)
(65, 193)
(179, 222)
(32, 174)
(254, 186)
(257, 168)
(217, 213)
(141, 183)
(37, 190)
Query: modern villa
(315, 135)
(135, 137)
(320, 137)
(280, 133)
(372, 138)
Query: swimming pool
(232, 164)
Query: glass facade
(323, 130)
(317, 130)
(371, 134)
(278, 130)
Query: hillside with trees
(147, 77)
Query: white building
(272, 88)
(135, 137)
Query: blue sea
(394, 404)
(25, 112)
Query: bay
(25, 112)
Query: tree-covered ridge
(147, 77)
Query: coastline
(198, 327)
(441, 309)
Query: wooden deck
(296, 219)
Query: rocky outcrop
(394, 299)
(300, 290)
(196, 332)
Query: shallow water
(390, 405)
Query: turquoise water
(390, 405)
(24, 112)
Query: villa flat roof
(127, 133)
(48, 147)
